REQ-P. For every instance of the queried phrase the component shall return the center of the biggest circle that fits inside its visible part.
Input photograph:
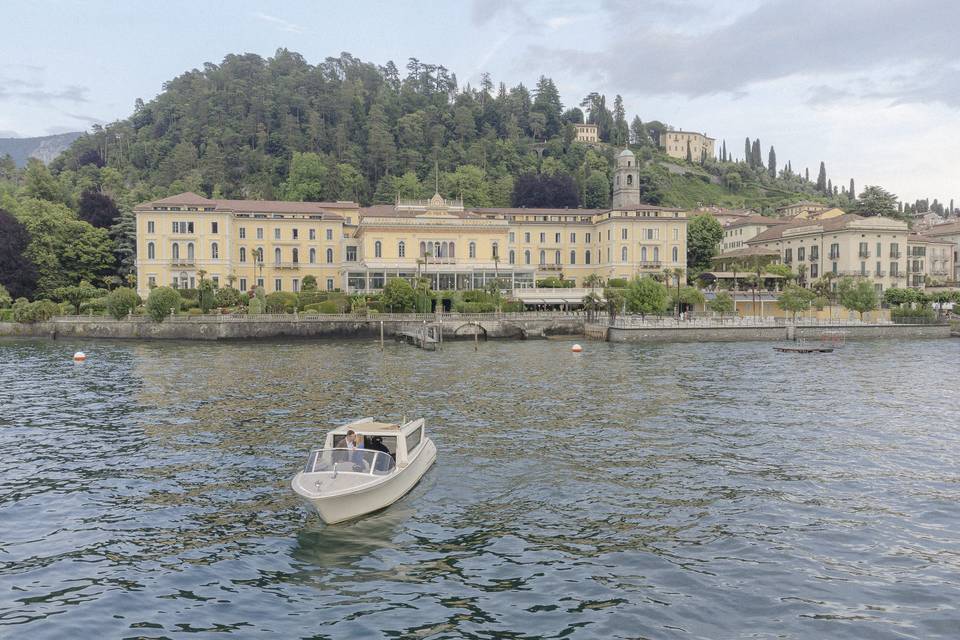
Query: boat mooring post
(381, 335)
(476, 337)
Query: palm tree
(593, 281)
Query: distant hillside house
(587, 133)
(803, 210)
(675, 144)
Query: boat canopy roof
(369, 426)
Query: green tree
(207, 295)
(307, 178)
(722, 303)
(122, 301)
(772, 163)
(857, 295)
(795, 299)
(876, 201)
(597, 191)
(645, 296)
(258, 303)
(822, 178)
(229, 297)
(39, 183)
(5, 299)
(615, 301)
(163, 301)
(688, 295)
(17, 271)
(398, 296)
(309, 283)
(76, 295)
(704, 234)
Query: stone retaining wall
(740, 334)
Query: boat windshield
(338, 460)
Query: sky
(871, 87)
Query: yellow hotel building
(352, 248)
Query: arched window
(526, 257)
(313, 256)
(618, 180)
(556, 257)
(629, 180)
(513, 256)
(176, 250)
(643, 254)
(586, 257)
(377, 249)
(436, 249)
(277, 255)
(443, 249)
(190, 251)
(623, 254)
(473, 249)
(423, 249)
(151, 251)
(656, 254)
(329, 256)
(296, 255)
(573, 257)
(401, 249)
(543, 257)
(453, 253)
(675, 256)
(495, 250)
(214, 251)
(258, 255)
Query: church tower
(626, 182)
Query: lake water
(630, 491)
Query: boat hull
(367, 499)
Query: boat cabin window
(413, 439)
(386, 444)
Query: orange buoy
(576, 348)
(79, 356)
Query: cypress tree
(756, 160)
(951, 206)
(822, 178)
(806, 174)
(772, 163)
(853, 192)
(723, 153)
(746, 150)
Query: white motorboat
(343, 482)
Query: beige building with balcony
(881, 249)
(737, 233)
(947, 233)
(676, 144)
(276, 244)
(587, 133)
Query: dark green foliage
(876, 201)
(98, 209)
(17, 272)
(206, 297)
(77, 295)
(29, 312)
(228, 297)
(822, 178)
(539, 190)
(309, 283)
(161, 301)
(398, 296)
(646, 296)
(281, 302)
(617, 283)
(331, 306)
(554, 282)
(121, 301)
(703, 234)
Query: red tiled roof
(251, 206)
(829, 224)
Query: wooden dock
(427, 337)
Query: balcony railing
(863, 254)
(286, 265)
(650, 265)
(894, 255)
(814, 257)
(834, 256)
(183, 262)
(550, 267)
(879, 273)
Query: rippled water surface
(674, 491)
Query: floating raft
(804, 349)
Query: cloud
(4, 133)
(775, 40)
(24, 91)
(280, 23)
(84, 118)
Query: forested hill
(346, 129)
(43, 148)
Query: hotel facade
(246, 243)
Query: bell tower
(626, 182)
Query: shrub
(511, 306)
(190, 303)
(330, 306)
(475, 307)
(5, 299)
(207, 296)
(311, 296)
(554, 282)
(188, 294)
(6, 315)
(160, 301)
(398, 295)
(121, 301)
(29, 312)
(195, 312)
(282, 302)
(309, 283)
(258, 301)
(228, 297)
(96, 307)
(907, 315)
(617, 283)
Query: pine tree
(772, 163)
(639, 132)
(852, 192)
(620, 130)
(830, 187)
(723, 153)
(746, 150)
(806, 174)
(822, 178)
(756, 160)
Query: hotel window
(834, 269)
(243, 254)
(213, 227)
(296, 255)
(814, 270)
(556, 238)
(258, 254)
(573, 238)
(543, 237)
(878, 249)
(152, 282)
(329, 284)
(573, 257)
(190, 254)
(834, 252)
(276, 233)
(330, 256)
(277, 285)
(472, 249)
(623, 254)
(864, 250)
(589, 235)
(586, 257)
(216, 281)
(656, 254)
(676, 256)
(787, 256)
(214, 251)
(513, 256)
(815, 252)
(526, 257)
(801, 253)
(526, 236)
(329, 234)
(259, 282)
(511, 237)
(277, 255)
(351, 254)
(894, 250)
(543, 257)
(176, 226)
(556, 257)
(312, 234)
(243, 233)
(495, 250)
(676, 233)
(377, 249)
(151, 251)
(295, 234)
(608, 235)
(296, 285)
(623, 233)
(894, 269)
(402, 249)
(150, 227)
(259, 233)
(643, 254)
(863, 268)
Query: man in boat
(384, 462)
(354, 444)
